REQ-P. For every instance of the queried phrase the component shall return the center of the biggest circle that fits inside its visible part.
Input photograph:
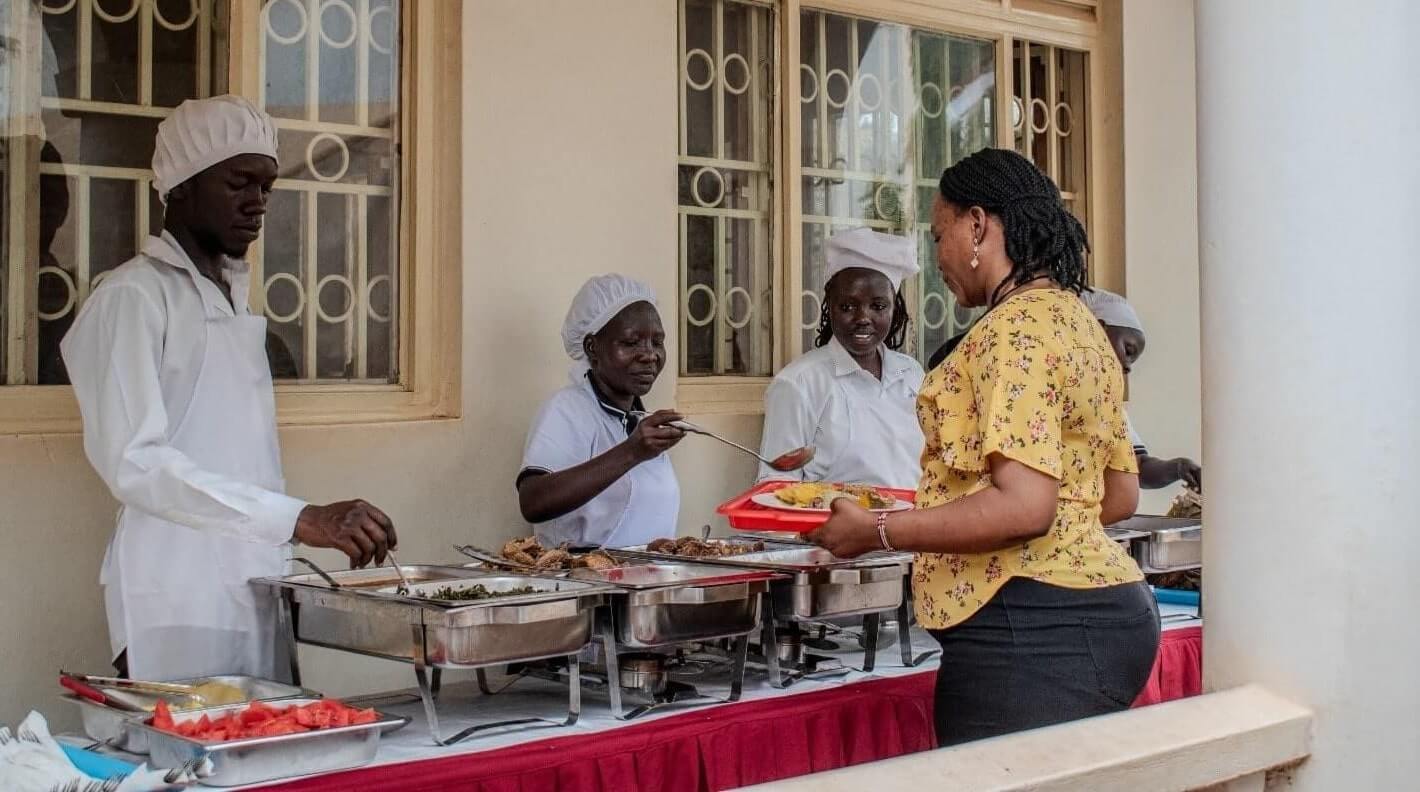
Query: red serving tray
(745, 515)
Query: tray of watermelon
(264, 741)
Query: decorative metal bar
(86, 49)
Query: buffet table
(816, 724)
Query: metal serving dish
(259, 759)
(660, 603)
(818, 585)
(556, 619)
(1125, 538)
(1170, 543)
(110, 726)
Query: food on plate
(478, 591)
(527, 551)
(260, 719)
(818, 494)
(690, 547)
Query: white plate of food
(814, 496)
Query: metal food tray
(374, 578)
(260, 759)
(820, 585)
(663, 603)
(110, 726)
(555, 620)
(1169, 544)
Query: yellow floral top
(1037, 382)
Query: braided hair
(897, 330)
(1042, 238)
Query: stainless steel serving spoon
(785, 462)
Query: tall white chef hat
(893, 256)
(203, 132)
(599, 300)
(1112, 309)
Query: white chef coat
(136, 356)
(574, 426)
(863, 430)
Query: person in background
(1042, 618)
(169, 368)
(944, 350)
(852, 397)
(595, 471)
(1126, 335)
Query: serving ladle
(785, 462)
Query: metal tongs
(403, 587)
(495, 560)
(94, 683)
(330, 581)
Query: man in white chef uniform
(170, 371)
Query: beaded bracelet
(882, 531)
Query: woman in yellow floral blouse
(1042, 618)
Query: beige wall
(1161, 227)
(562, 181)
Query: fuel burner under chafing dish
(812, 587)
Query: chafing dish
(1125, 538)
(1169, 544)
(259, 759)
(659, 604)
(815, 585)
(110, 726)
(555, 619)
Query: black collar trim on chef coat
(627, 420)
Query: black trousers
(1038, 654)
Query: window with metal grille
(884, 109)
(86, 83)
(725, 171)
(1050, 117)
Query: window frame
(1090, 26)
(430, 246)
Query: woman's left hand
(851, 530)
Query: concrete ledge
(1182, 745)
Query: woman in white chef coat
(853, 398)
(595, 471)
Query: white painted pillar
(1309, 232)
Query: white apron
(178, 598)
(652, 506)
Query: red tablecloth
(736, 745)
(1178, 671)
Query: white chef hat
(1112, 309)
(893, 256)
(203, 132)
(599, 300)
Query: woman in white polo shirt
(853, 398)
(594, 471)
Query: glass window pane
(725, 188)
(83, 86)
(884, 109)
(329, 261)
